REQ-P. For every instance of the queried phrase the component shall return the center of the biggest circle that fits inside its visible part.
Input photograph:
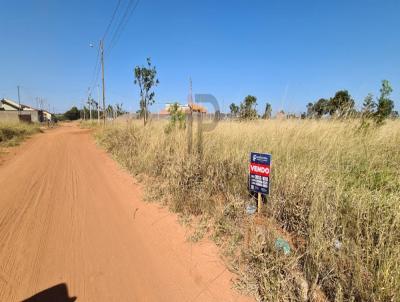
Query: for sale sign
(259, 170)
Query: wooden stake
(259, 203)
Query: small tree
(72, 114)
(247, 109)
(234, 109)
(109, 111)
(310, 110)
(369, 107)
(341, 104)
(385, 104)
(178, 117)
(119, 109)
(145, 78)
(321, 107)
(218, 115)
(268, 111)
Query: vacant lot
(335, 197)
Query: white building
(12, 111)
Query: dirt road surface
(69, 214)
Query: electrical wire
(96, 69)
(131, 7)
(118, 30)
(112, 19)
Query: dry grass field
(335, 196)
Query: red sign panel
(259, 169)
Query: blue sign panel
(260, 158)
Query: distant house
(47, 115)
(13, 111)
(8, 105)
(184, 108)
(280, 115)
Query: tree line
(246, 110)
(340, 106)
(74, 113)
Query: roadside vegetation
(335, 198)
(12, 134)
(335, 191)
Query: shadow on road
(57, 293)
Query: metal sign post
(259, 171)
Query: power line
(112, 19)
(95, 74)
(96, 69)
(119, 28)
(131, 7)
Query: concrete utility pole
(89, 104)
(190, 118)
(102, 78)
(98, 104)
(19, 102)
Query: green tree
(310, 110)
(177, 116)
(247, 109)
(234, 109)
(95, 109)
(385, 105)
(218, 115)
(369, 107)
(142, 112)
(146, 79)
(109, 111)
(268, 111)
(341, 104)
(72, 114)
(321, 107)
(119, 109)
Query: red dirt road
(69, 214)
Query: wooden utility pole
(102, 79)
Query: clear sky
(285, 52)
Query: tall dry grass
(335, 195)
(12, 133)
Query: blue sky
(285, 52)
